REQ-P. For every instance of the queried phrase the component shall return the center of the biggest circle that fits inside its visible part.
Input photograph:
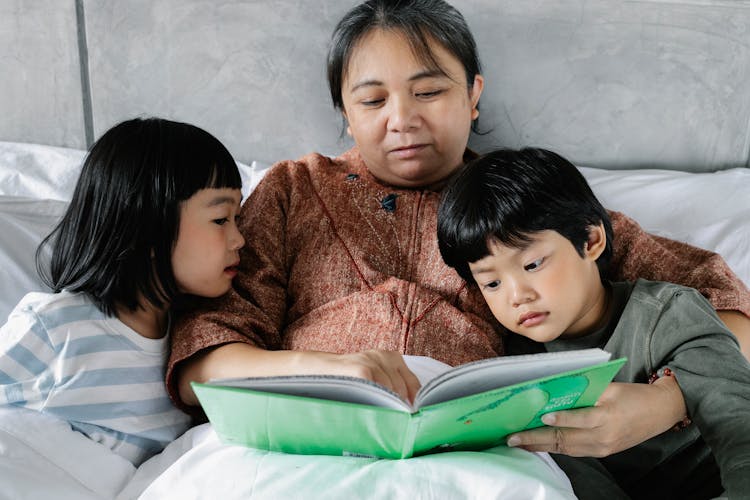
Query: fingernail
(514, 441)
(548, 419)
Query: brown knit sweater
(337, 261)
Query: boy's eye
(534, 265)
(492, 285)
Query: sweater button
(388, 203)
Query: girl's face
(547, 289)
(206, 254)
(411, 124)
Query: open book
(471, 406)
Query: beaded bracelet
(667, 372)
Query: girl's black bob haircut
(115, 241)
(509, 195)
(419, 21)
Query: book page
(332, 387)
(426, 368)
(487, 374)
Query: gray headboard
(609, 83)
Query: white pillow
(708, 210)
(37, 171)
(23, 224)
(47, 172)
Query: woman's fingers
(412, 382)
(624, 416)
(565, 440)
(385, 368)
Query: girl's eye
(534, 265)
(221, 221)
(492, 285)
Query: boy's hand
(625, 416)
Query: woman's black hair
(419, 21)
(115, 241)
(509, 195)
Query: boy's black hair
(418, 21)
(115, 241)
(509, 195)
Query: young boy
(527, 229)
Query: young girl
(151, 221)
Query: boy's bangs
(476, 236)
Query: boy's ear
(596, 243)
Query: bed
(656, 113)
(36, 182)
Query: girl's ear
(596, 243)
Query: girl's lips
(532, 319)
(231, 271)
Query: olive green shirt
(655, 325)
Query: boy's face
(547, 289)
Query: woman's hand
(386, 368)
(624, 416)
(243, 360)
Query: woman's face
(411, 124)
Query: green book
(471, 406)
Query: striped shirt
(60, 355)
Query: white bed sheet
(708, 210)
(42, 457)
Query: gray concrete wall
(608, 83)
(40, 82)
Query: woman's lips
(407, 152)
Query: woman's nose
(402, 115)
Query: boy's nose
(520, 293)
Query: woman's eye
(431, 93)
(534, 265)
(372, 102)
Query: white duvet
(43, 458)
